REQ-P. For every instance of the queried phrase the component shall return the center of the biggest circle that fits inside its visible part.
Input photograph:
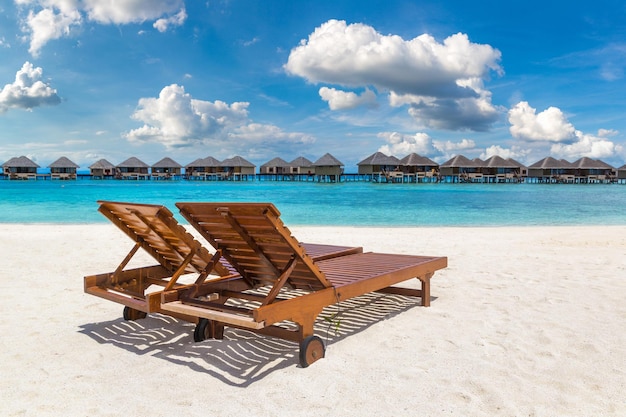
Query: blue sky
(91, 79)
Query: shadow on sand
(242, 357)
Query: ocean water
(344, 204)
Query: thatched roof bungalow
(166, 168)
(197, 163)
(101, 169)
(378, 162)
(621, 172)
(549, 168)
(328, 167)
(593, 170)
(523, 168)
(420, 165)
(132, 168)
(502, 169)
(275, 166)
(459, 166)
(63, 169)
(20, 168)
(302, 165)
(590, 166)
(202, 168)
(462, 169)
(237, 168)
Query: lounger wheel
(311, 349)
(208, 329)
(133, 314)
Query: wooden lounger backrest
(255, 242)
(159, 234)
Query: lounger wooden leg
(306, 325)
(426, 290)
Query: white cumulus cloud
(133, 11)
(400, 145)
(422, 71)
(47, 20)
(258, 140)
(476, 113)
(455, 147)
(48, 24)
(345, 100)
(176, 119)
(603, 133)
(514, 152)
(586, 145)
(28, 90)
(550, 125)
(163, 24)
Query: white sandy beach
(524, 322)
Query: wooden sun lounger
(253, 239)
(154, 229)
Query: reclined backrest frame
(256, 243)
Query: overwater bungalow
(133, 169)
(328, 168)
(275, 166)
(523, 169)
(166, 169)
(419, 168)
(20, 168)
(237, 168)
(549, 169)
(193, 167)
(590, 170)
(569, 172)
(461, 169)
(381, 168)
(63, 169)
(301, 165)
(621, 174)
(203, 169)
(101, 169)
(498, 169)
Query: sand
(525, 322)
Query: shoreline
(525, 320)
(306, 226)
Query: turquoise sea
(345, 204)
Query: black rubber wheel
(133, 314)
(202, 331)
(208, 329)
(311, 349)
